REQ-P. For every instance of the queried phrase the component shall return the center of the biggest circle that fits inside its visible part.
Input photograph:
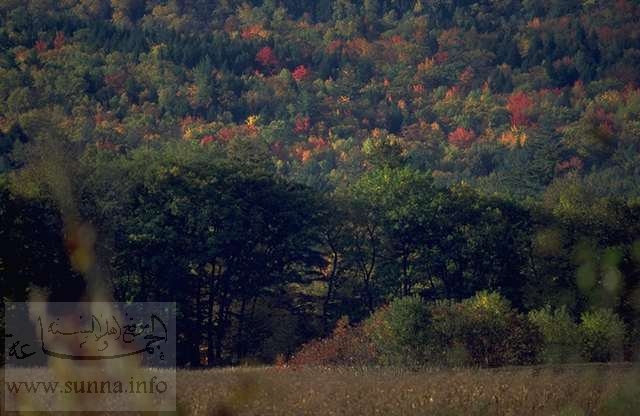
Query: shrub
(348, 345)
(485, 328)
(447, 325)
(400, 332)
(560, 334)
(378, 330)
(524, 341)
(494, 334)
(412, 332)
(602, 335)
(482, 330)
(408, 320)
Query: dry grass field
(568, 391)
(577, 390)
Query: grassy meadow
(563, 390)
(593, 389)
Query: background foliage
(273, 166)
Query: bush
(482, 331)
(412, 332)
(560, 334)
(348, 345)
(494, 334)
(400, 332)
(524, 342)
(447, 325)
(485, 328)
(602, 335)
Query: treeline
(259, 265)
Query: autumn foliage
(301, 73)
(318, 143)
(519, 105)
(59, 40)
(301, 125)
(305, 151)
(208, 139)
(461, 137)
(266, 57)
(347, 345)
(513, 138)
(253, 31)
(573, 163)
(604, 124)
(40, 46)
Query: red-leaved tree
(266, 57)
(40, 46)
(58, 42)
(300, 73)
(302, 125)
(519, 105)
(207, 140)
(462, 137)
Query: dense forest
(273, 166)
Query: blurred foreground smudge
(49, 172)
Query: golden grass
(575, 390)
(568, 391)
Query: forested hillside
(274, 165)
